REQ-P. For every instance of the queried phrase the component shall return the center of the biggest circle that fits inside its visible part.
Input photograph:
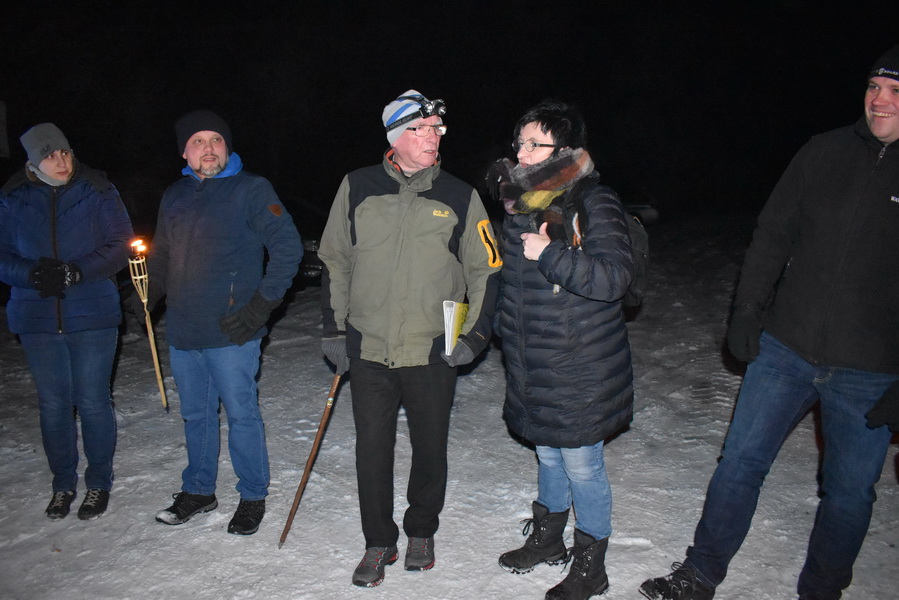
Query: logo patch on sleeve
(493, 256)
(275, 209)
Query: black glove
(744, 332)
(134, 305)
(886, 411)
(240, 327)
(51, 276)
(334, 348)
(462, 353)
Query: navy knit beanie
(201, 120)
(887, 65)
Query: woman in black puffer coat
(567, 263)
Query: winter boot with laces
(185, 506)
(247, 518)
(587, 575)
(370, 571)
(681, 584)
(420, 554)
(59, 505)
(94, 505)
(544, 544)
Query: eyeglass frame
(530, 145)
(436, 129)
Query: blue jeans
(578, 475)
(228, 375)
(778, 390)
(72, 372)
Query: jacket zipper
(55, 245)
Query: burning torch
(139, 277)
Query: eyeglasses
(423, 130)
(529, 145)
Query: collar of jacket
(863, 131)
(419, 181)
(234, 166)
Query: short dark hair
(562, 121)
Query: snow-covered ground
(659, 469)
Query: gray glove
(334, 348)
(462, 353)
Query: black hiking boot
(370, 571)
(59, 506)
(247, 518)
(544, 544)
(587, 575)
(681, 584)
(94, 505)
(185, 506)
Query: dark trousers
(426, 393)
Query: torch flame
(138, 246)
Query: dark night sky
(692, 105)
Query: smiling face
(413, 153)
(882, 108)
(532, 132)
(206, 153)
(58, 165)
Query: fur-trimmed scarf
(539, 190)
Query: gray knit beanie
(407, 110)
(43, 140)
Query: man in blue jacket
(814, 315)
(214, 227)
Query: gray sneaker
(420, 554)
(370, 571)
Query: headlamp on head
(426, 108)
(430, 108)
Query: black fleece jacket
(824, 259)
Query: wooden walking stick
(311, 460)
(139, 277)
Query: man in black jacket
(814, 316)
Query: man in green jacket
(402, 237)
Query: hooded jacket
(208, 251)
(824, 257)
(82, 222)
(395, 248)
(569, 380)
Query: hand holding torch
(139, 277)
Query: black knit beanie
(887, 65)
(201, 120)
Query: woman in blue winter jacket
(64, 234)
(567, 263)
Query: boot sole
(424, 568)
(561, 593)
(555, 560)
(234, 531)
(205, 509)
(376, 582)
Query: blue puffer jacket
(569, 381)
(83, 222)
(208, 251)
